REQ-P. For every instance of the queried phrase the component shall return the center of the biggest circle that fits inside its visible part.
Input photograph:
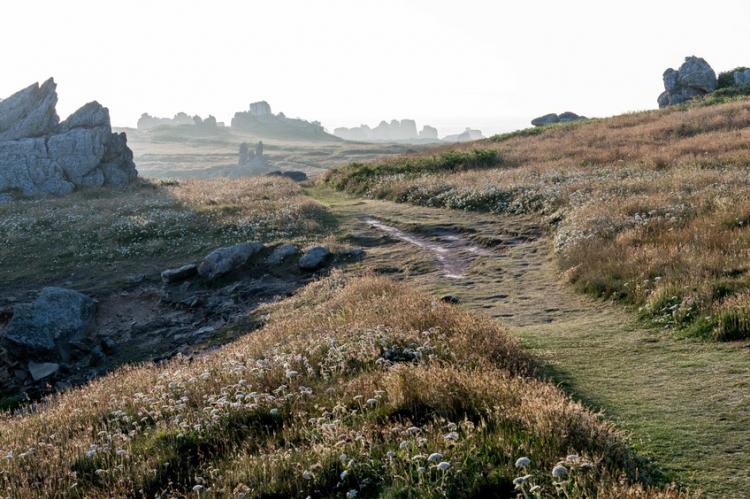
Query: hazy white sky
(488, 64)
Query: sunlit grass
(640, 204)
(354, 389)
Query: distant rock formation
(148, 122)
(260, 121)
(40, 155)
(467, 135)
(249, 157)
(395, 131)
(694, 78)
(428, 133)
(552, 118)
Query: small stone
(450, 299)
(179, 274)
(314, 258)
(42, 370)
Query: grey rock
(570, 116)
(224, 260)
(694, 78)
(29, 112)
(50, 324)
(314, 258)
(38, 156)
(91, 115)
(742, 77)
(547, 119)
(281, 253)
(670, 79)
(5, 198)
(179, 274)
(696, 73)
(42, 370)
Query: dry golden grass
(354, 388)
(652, 207)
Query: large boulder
(224, 260)
(40, 156)
(693, 79)
(46, 328)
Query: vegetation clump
(355, 388)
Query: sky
(491, 65)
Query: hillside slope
(649, 208)
(355, 388)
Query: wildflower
(444, 466)
(403, 445)
(413, 430)
(451, 436)
(523, 462)
(351, 494)
(435, 457)
(9, 455)
(344, 474)
(90, 453)
(198, 489)
(291, 374)
(306, 475)
(371, 402)
(274, 412)
(535, 488)
(121, 452)
(559, 471)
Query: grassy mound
(354, 389)
(146, 226)
(650, 208)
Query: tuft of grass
(358, 177)
(349, 389)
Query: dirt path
(684, 402)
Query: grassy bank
(649, 208)
(354, 389)
(100, 234)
